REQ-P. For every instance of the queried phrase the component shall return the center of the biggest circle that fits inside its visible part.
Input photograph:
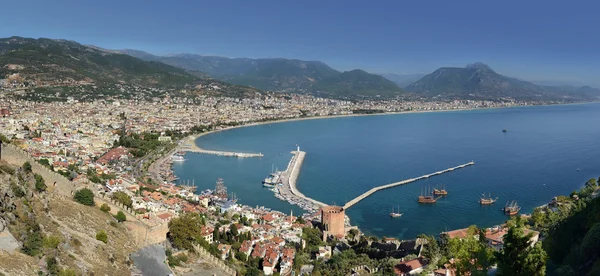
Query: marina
(286, 188)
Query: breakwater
(379, 188)
(287, 189)
(190, 146)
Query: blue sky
(534, 40)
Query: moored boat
(426, 197)
(487, 200)
(511, 208)
(440, 192)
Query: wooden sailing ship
(440, 192)
(511, 208)
(427, 197)
(487, 200)
(395, 215)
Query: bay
(547, 151)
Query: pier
(190, 146)
(379, 188)
(288, 191)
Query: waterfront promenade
(379, 188)
(288, 191)
(189, 145)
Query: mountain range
(283, 75)
(479, 81)
(54, 66)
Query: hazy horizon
(535, 41)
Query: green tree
(517, 257)
(102, 236)
(186, 230)
(27, 166)
(84, 196)
(122, 198)
(121, 216)
(471, 254)
(253, 271)
(432, 250)
(538, 217)
(40, 183)
(105, 208)
(44, 162)
(33, 238)
(591, 183)
(241, 256)
(234, 230)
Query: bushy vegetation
(32, 238)
(40, 183)
(26, 166)
(186, 230)
(105, 208)
(84, 196)
(102, 236)
(122, 198)
(120, 216)
(51, 242)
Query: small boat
(511, 208)
(487, 200)
(440, 192)
(177, 158)
(577, 169)
(504, 130)
(395, 215)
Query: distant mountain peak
(479, 65)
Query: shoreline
(192, 138)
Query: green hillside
(283, 75)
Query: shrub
(40, 183)
(121, 216)
(27, 166)
(17, 191)
(105, 208)
(102, 236)
(52, 265)
(51, 242)
(33, 239)
(85, 196)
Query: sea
(546, 151)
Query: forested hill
(50, 66)
(283, 75)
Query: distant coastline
(194, 137)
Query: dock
(190, 146)
(287, 190)
(382, 187)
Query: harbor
(382, 187)
(285, 189)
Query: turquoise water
(535, 160)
